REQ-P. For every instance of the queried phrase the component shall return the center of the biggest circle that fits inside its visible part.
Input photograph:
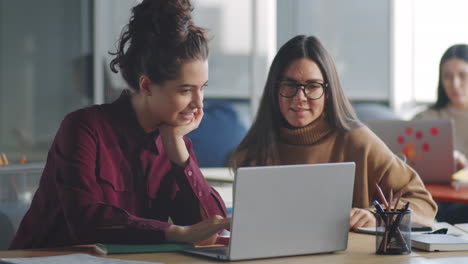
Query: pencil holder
(393, 234)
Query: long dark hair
(160, 37)
(459, 51)
(259, 146)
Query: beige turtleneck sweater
(460, 119)
(375, 163)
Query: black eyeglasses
(312, 90)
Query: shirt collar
(135, 134)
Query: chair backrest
(220, 131)
(374, 111)
(7, 231)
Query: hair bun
(169, 20)
(158, 38)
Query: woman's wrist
(175, 233)
(176, 150)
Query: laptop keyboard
(223, 250)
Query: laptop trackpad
(216, 252)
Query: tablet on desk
(415, 228)
(451, 230)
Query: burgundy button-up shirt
(108, 181)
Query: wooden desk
(361, 250)
(446, 193)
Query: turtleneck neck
(307, 135)
(457, 111)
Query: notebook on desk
(426, 144)
(439, 242)
(288, 210)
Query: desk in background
(361, 250)
(446, 193)
(221, 179)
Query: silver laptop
(288, 210)
(426, 144)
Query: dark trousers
(453, 213)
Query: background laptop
(427, 145)
(288, 210)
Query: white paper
(72, 259)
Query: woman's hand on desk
(460, 160)
(202, 233)
(361, 218)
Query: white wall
(423, 30)
(357, 35)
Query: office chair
(7, 231)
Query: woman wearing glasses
(304, 117)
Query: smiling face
(299, 111)
(455, 82)
(176, 102)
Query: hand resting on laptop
(202, 233)
(361, 218)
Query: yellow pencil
(4, 159)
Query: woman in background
(124, 172)
(452, 103)
(452, 98)
(304, 117)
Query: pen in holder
(393, 236)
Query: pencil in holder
(393, 234)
